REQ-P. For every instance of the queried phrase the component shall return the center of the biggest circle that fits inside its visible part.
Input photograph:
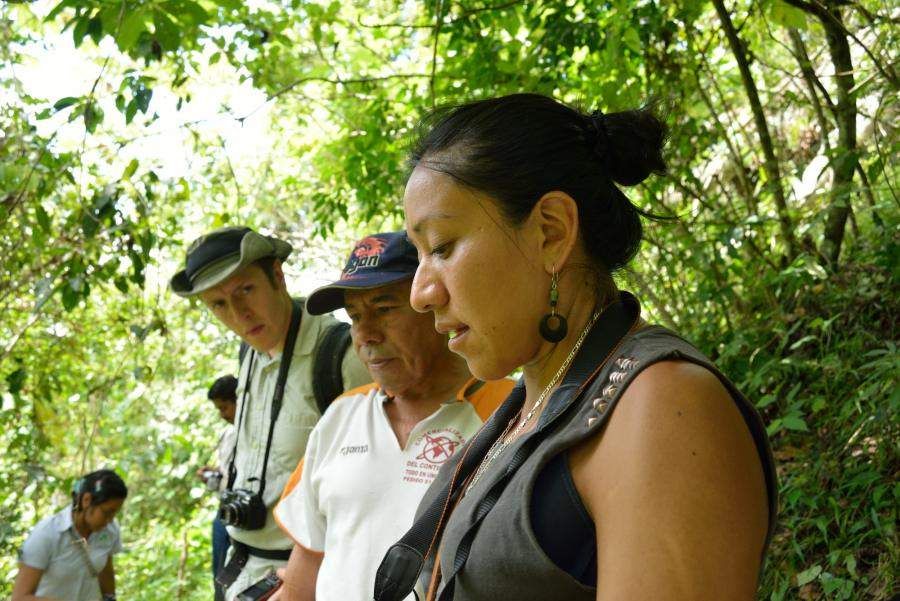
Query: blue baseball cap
(375, 261)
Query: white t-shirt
(358, 489)
(50, 547)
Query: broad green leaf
(43, 292)
(130, 111)
(808, 575)
(89, 225)
(95, 29)
(59, 8)
(132, 25)
(142, 96)
(166, 31)
(42, 217)
(70, 297)
(16, 380)
(632, 40)
(93, 116)
(787, 16)
(80, 30)
(65, 102)
(794, 422)
(192, 12)
(130, 169)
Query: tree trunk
(773, 170)
(810, 79)
(844, 160)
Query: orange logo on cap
(368, 247)
(367, 254)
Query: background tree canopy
(128, 127)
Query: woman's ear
(556, 215)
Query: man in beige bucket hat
(237, 273)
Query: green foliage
(100, 366)
(824, 375)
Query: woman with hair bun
(624, 465)
(68, 556)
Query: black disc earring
(554, 327)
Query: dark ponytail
(517, 148)
(103, 486)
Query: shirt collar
(64, 520)
(307, 336)
(471, 386)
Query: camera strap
(277, 397)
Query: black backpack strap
(328, 382)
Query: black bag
(328, 381)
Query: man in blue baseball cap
(377, 448)
(237, 273)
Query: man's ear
(86, 500)
(556, 216)
(278, 273)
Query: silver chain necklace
(503, 440)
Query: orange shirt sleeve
(486, 399)
(293, 481)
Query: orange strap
(435, 578)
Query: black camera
(242, 508)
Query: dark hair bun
(635, 142)
(517, 148)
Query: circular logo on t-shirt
(439, 445)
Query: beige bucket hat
(213, 258)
